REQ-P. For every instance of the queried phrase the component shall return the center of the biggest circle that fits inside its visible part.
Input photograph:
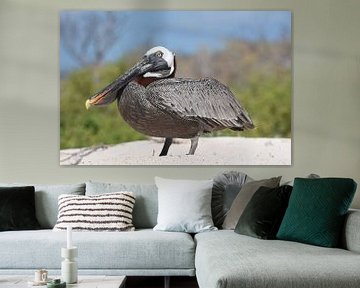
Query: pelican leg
(166, 146)
(194, 144)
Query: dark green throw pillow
(316, 211)
(17, 208)
(263, 214)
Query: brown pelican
(155, 103)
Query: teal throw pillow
(316, 211)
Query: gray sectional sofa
(218, 258)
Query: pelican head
(157, 56)
(158, 62)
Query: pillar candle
(69, 237)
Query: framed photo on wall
(175, 87)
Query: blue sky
(188, 31)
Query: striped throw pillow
(105, 212)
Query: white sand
(210, 151)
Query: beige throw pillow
(104, 212)
(243, 198)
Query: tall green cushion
(316, 211)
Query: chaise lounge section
(226, 259)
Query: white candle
(69, 239)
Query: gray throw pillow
(243, 198)
(226, 187)
(184, 205)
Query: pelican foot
(194, 144)
(166, 146)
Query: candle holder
(68, 265)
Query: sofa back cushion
(146, 204)
(46, 200)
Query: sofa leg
(167, 282)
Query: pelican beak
(88, 104)
(114, 90)
(151, 65)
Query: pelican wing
(204, 100)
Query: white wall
(326, 100)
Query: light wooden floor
(158, 282)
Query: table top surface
(84, 281)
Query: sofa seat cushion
(226, 259)
(142, 249)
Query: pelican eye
(159, 54)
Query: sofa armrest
(351, 234)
